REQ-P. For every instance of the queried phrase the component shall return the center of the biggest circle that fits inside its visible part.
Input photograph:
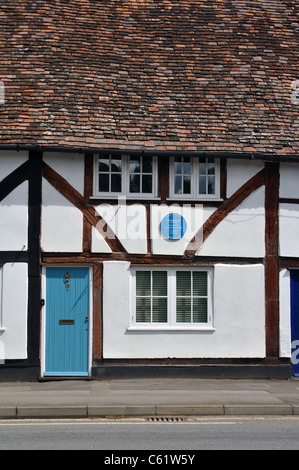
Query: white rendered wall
(13, 314)
(289, 177)
(129, 224)
(14, 220)
(289, 213)
(62, 222)
(10, 161)
(98, 243)
(289, 230)
(194, 217)
(68, 165)
(239, 172)
(284, 314)
(239, 319)
(242, 232)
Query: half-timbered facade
(149, 200)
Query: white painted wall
(289, 177)
(62, 222)
(98, 244)
(194, 217)
(289, 213)
(284, 314)
(239, 319)
(242, 232)
(129, 224)
(13, 314)
(70, 166)
(289, 230)
(14, 220)
(10, 161)
(239, 172)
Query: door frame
(44, 312)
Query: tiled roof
(196, 75)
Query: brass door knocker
(67, 278)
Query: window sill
(170, 328)
(124, 198)
(198, 200)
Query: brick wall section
(144, 74)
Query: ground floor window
(172, 297)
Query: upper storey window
(126, 175)
(194, 178)
(136, 177)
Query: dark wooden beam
(14, 179)
(146, 259)
(34, 265)
(272, 258)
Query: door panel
(67, 320)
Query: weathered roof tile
(167, 74)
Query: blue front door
(295, 322)
(67, 319)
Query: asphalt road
(205, 433)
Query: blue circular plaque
(173, 226)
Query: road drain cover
(165, 418)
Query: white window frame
(172, 324)
(125, 180)
(194, 193)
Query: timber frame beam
(70, 193)
(272, 258)
(228, 206)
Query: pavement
(156, 398)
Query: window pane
(178, 185)
(187, 185)
(187, 166)
(211, 184)
(147, 164)
(143, 283)
(200, 310)
(134, 183)
(143, 310)
(202, 185)
(104, 182)
(183, 309)
(104, 164)
(116, 165)
(134, 165)
(183, 283)
(147, 186)
(160, 310)
(178, 166)
(202, 166)
(159, 283)
(200, 283)
(211, 166)
(116, 183)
